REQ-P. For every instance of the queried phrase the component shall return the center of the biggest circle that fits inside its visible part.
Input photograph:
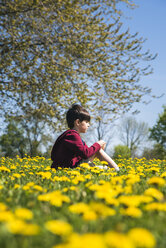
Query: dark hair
(76, 112)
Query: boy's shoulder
(70, 132)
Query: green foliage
(13, 142)
(157, 152)
(20, 138)
(158, 134)
(57, 52)
(121, 151)
(158, 131)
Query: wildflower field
(84, 207)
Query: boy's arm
(74, 143)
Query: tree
(56, 52)
(20, 138)
(37, 134)
(158, 134)
(157, 151)
(158, 131)
(12, 142)
(133, 133)
(121, 151)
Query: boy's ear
(77, 121)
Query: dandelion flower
(155, 206)
(3, 168)
(23, 213)
(156, 181)
(58, 227)
(142, 238)
(20, 227)
(118, 240)
(6, 216)
(154, 193)
(132, 212)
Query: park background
(148, 19)
(87, 206)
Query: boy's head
(76, 112)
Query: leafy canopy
(54, 53)
(158, 131)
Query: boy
(70, 150)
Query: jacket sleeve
(74, 143)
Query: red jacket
(69, 149)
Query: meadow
(84, 207)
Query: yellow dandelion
(31, 229)
(25, 187)
(156, 181)
(73, 173)
(79, 208)
(20, 227)
(31, 173)
(133, 180)
(142, 238)
(13, 167)
(61, 179)
(23, 213)
(46, 175)
(38, 188)
(84, 165)
(103, 162)
(153, 169)
(55, 198)
(6, 216)
(16, 186)
(101, 209)
(89, 215)
(15, 226)
(3, 168)
(92, 240)
(65, 189)
(73, 188)
(47, 168)
(132, 212)
(30, 184)
(155, 206)
(88, 176)
(3, 207)
(59, 227)
(134, 200)
(163, 174)
(112, 201)
(118, 240)
(154, 193)
(85, 240)
(16, 175)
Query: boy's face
(81, 126)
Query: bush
(121, 151)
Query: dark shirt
(69, 149)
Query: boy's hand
(102, 143)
